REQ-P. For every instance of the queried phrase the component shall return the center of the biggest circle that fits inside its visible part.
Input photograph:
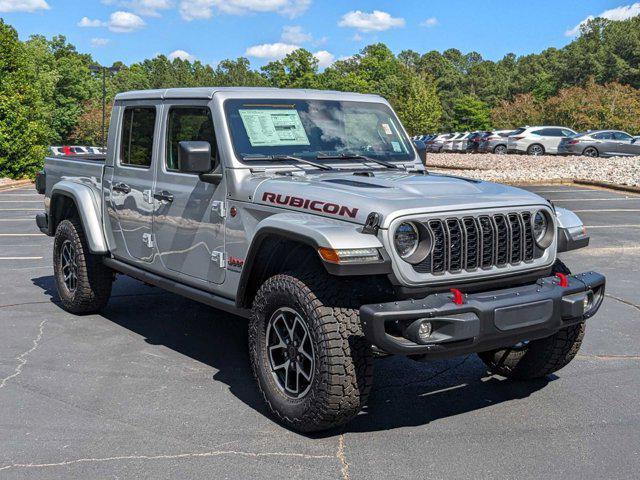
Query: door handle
(164, 196)
(121, 187)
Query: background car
(436, 143)
(459, 144)
(474, 140)
(494, 142)
(600, 143)
(538, 140)
(448, 145)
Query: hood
(391, 194)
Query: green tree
(24, 130)
(419, 108)
(470, 113)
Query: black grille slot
(473, 242)
(439, 258)
(455, 245)
(516, 238)
(487, 233)
(528, 237)
(502, 239)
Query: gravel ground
(522, 168)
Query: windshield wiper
(283, 158)
(364, 158)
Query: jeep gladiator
(311, 214)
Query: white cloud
(99, 42)
(375, 21)
(182, 55)
(430, 22)
(125, 22)
(86, 22)
(149, 8)
(295, 34)
(324, 58)
(619, 13)
(356, 37)
(271, 51)
(7, 6)
(203, 9)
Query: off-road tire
(94, 279)
(343, 371)
(538, 358)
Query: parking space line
(614, 226)
(21, 258)
(22, 235)
(612, 199)
(20, 209)
(20, 201)
(609, 210)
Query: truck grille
(484, 241)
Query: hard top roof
(208, 93)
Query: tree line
(49, 95)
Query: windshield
(315, 128)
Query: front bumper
(484, 321)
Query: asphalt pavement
(158, 386)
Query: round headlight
(406, 239)
(542, 229)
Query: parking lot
(159, 386)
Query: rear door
(130, 204)
(188, 224)
(605, 143)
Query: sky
(265, 30)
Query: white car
(537, 140)
(449, 143)
(460, 144)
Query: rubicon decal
(307, 204)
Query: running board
(196, 294)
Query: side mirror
(421, 148)
(194, 157)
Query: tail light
(573, 142)
(517, 138)
(67, 150)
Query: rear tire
(342, 367)
(591, 152)
(83, 281)
(537, 358)
(536, 150)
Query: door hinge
(146, 196)
(219, 207)
(147, 239)
(218, 258)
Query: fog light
(424, 332)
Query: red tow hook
(564, 282)
(457, 296)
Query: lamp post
(103, 70)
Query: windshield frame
(412, 155)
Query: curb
(609, 185)
(15, 184)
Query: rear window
(136, 141)
(517, 131)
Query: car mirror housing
(421, 148)
(194, 157)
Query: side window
(136, 141)
(188, 124)
(622, 136)
(567, 133)
(603, 136)
(542, 132)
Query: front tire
(311, 362)
(83, 281)
(500, 150)
(537, 358)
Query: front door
(188, 224)
(130, 205)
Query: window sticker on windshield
(274, 128)
(396, 146)
(387, 129)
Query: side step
(193, 293)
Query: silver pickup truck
(311, 214)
